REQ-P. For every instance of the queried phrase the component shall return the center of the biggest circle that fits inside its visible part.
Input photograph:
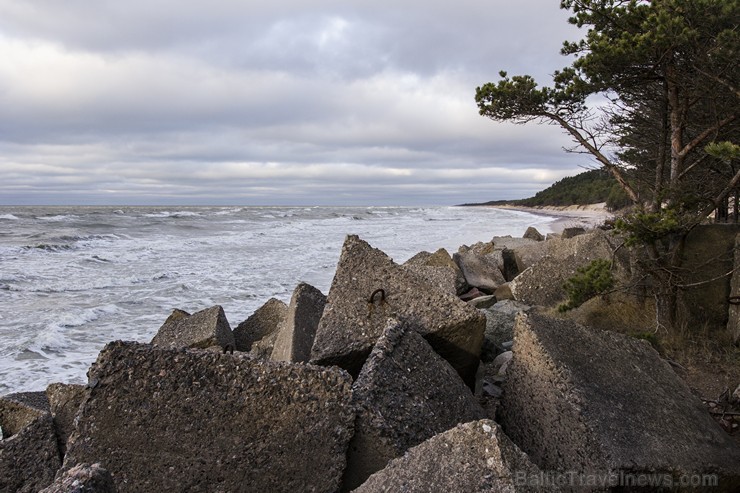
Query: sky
(298, 102)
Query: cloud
(310, 102)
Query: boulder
(203, 329)
(261, 323)
(83, 478)
(164, 419)
(404, 394)
(499, 327)
(368, 288)
(480, 270)
(572, 232)
(64, 401)
(483, 302)
(296, 333)
(503, 292)
(592, 402)
(533, 234)
(36, 400)
(542, 282)
(471, 457)
(439, 270)
(29, 457)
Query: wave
(50, 247)
(58, 218)
(8, 217)
(53, 337)
(177, 214)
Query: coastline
(586, 216)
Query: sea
(74, 278)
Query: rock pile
(389, 383)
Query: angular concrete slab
(264, 321)
(352, 323)
(439, 270)
(186, 420)
(296, 333)
(471, 457)
(404, 394)
(64, 401)
(203, 329)
(29, 457)
(593, 402)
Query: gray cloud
(245, 102)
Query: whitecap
(8, 217)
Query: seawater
(74, 278)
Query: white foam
(8, 217)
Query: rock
(439, 270)
(472, 294)
(36, 400)
(64, 401)
(29, 456)
(262, 349)
(482, 302)
(499, 327)
(261, 323)
(542, 282)
(296, 334)
(404, 394)
(736, 395)
(203, 329)
(572, 232)
(83, 478)
(591, 402)
(503, 292)
(182, 420)
(351, 323)
(480, 270)
(533, 234)
(471, 457)
(502, 359)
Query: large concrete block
(263, 322)
(404, 394)
(482, 271)
(352, 322)
(83, 478)
(439, 270)
(733, 319)
(29, 457)
(203, 329)
(193, 420)
(542, 281)
(297, 332)
(594, 402)
(64, 401)
(472, 457)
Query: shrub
(592, 280)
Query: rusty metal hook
(372, 296)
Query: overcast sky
(268, 103)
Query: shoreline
(586, 216)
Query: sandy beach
(587, 216)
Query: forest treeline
(590, 187)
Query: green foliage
(650, 337)
(592, 280)
(590, 187)
(726, 151)
(643, 227)
(617, 198)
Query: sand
(587, 216)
